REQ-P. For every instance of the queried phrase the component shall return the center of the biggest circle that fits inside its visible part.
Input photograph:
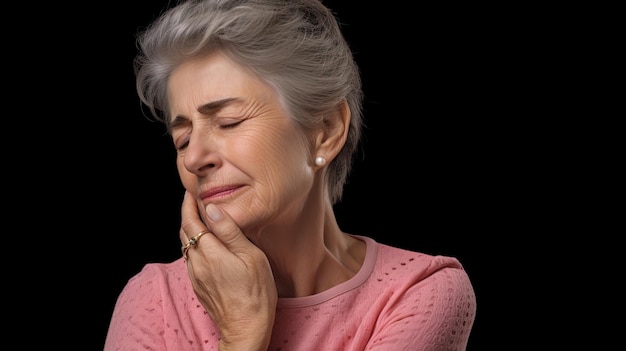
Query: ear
(331, 138)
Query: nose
(201, 154)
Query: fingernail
(213, 212)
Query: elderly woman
(262, 99)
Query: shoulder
(390, 259)
(154, 276)
(405, 274)
(156, 288)
(417, 262)
(154, 305)
(431, 295)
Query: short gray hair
(296, 46)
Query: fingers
(193, 242)
(226, 230)
(191, 223)
(192, 227)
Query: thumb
(225, 229)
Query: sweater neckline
(357, 280)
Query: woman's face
(236, 147)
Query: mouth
(218, 193)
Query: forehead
(212, 77)
(211, 74)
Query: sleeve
(137, 322)
(434, 313)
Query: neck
(311, 254)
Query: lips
(218, 192)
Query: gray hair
(295, 46)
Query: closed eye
(182, 142)
(230, 124)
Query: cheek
(187, 178)
(281, 164)
(279, 151)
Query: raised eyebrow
(205, 109)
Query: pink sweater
(399, 300)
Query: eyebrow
(206, 109)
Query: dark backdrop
(435, 175)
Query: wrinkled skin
(273, 232)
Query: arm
(435, 314)
(137, 321)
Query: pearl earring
(320, 161)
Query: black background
(440, 170)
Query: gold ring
(192, 242)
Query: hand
(231, 277)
